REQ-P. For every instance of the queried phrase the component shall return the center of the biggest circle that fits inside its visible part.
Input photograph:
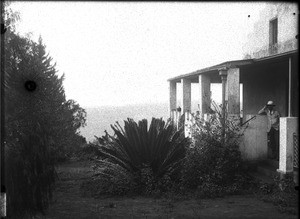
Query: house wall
(295, 87)
(253, 145)
(258, 37)
(262, 83)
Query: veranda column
(223, 74)
(172, 89)
(186, 95)
(205, 98)
(288, 127)
(290, 88)
(233, 91)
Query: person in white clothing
(272, 128)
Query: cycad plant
(140, 155)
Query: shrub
(139, 159)
(88, 151)
(281, 193)
(213, 165)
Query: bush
(88, 151)
(214, 164)
(281, 193)
(138, 159)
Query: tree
(40, 124)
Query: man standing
(272, 128)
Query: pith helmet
(270, 103)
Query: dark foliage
(281, 193)
(213, 165)
(140, 159)
(88, 151)
(130, 162)
(40, 124)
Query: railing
(175, 117)
(277, 48)
(186, 119)
(188, 123)
(296, 150)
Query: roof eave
(228, 64)
(276, 56)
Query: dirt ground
(70, 203)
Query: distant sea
(99, 119)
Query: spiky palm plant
(159, 148)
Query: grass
(70, 202)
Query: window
(273, 40)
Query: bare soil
(69, 202)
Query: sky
(119, 53)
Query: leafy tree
(40, 124)
(67, 134)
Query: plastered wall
(287, 14)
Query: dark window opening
(273, 35)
